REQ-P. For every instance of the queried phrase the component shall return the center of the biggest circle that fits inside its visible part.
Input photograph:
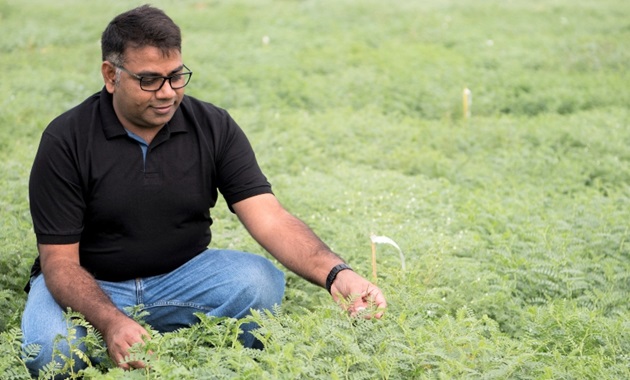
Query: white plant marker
(384, 240)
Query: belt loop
(139, 291)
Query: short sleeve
(55, 192)
(239, 175)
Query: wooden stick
(467, 102)
(374, 278)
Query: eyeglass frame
(164, 78)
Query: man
(120, 193)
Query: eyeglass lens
(154, 84)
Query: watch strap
(332, 275)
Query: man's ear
(108, 70)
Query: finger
(137, 364)
(122, 359)
(373, 298)
(357, 305)
(127, 364)
(377, 298)
(120, 362)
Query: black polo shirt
(134, 216)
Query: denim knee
(44, 325)
(261, 288)
(262, 283)
(55, 346)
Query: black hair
(139, 27)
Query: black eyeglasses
(154, 83)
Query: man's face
(137, 109)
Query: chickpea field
(489, 140)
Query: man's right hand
(119, 336)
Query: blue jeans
(218, 283)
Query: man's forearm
(303, 252)
(287, 238)
(72, 286)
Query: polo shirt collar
(112, 127)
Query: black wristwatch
(333, 274)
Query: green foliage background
(514, 222)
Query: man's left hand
(360, 293)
